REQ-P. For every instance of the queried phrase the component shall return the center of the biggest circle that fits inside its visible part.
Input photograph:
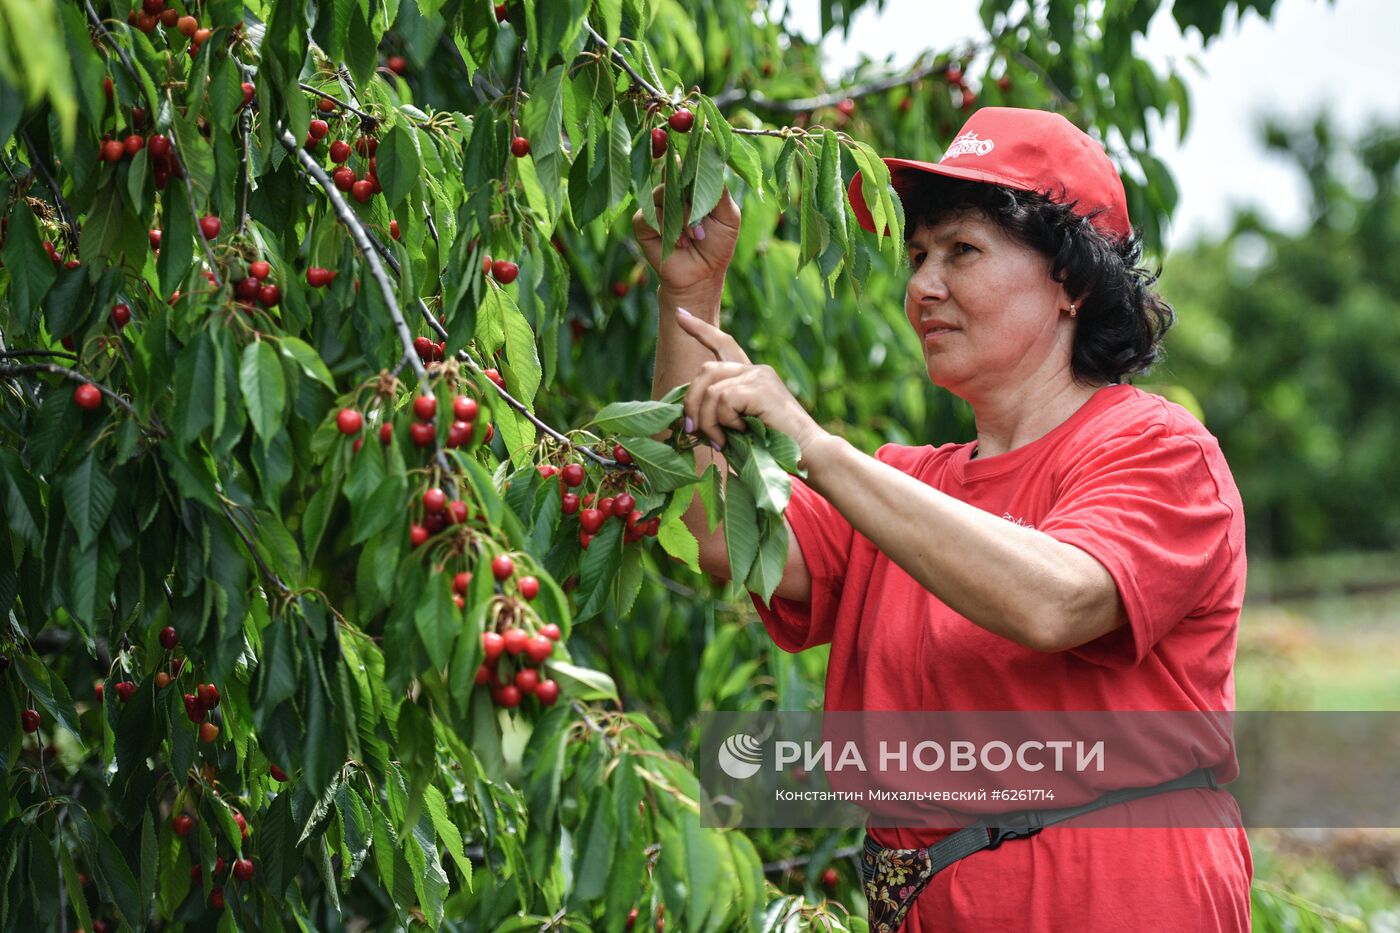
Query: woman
(1085, 552)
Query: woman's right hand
(696, 267)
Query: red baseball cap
(1030, 150)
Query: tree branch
(627, 66)
(75, 376)
(65, 213)
(368, 122)
(175, 151)
(107, 37)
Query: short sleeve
(1161, 513)
(825, 538)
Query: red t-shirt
(1140, 485)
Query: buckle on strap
(1019, 825)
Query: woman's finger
(724, 346)
(695, 396)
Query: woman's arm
(692, 277)
(1011, 580)
(1014, 581)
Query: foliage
(249, 501)
(1288, 339)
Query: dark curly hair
(1121, 321)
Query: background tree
(316, 318)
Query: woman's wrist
(702, 301)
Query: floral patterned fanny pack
(892, 879)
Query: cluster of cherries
(256, 286)
(243, 868)
(593, 511)
(524, 650)
(366, 184)
(681, 121)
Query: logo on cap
(968, 144)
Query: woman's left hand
(731, 387)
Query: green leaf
(436, 806)
(264, 388)
(88, 494)
(709, 178)
(582, 683)
(114, 878)
(597, 568)
(49, 692)
(194, 389)
(522, 363)
(398, 164)
(31, 272)
(308, 359)
(768, 566)
(769, 483)
(593, 857)
(437, 620)
(665, 469)
(639, 418)
(675, 539)
(543, 114)
(740, 528)
(177, 240)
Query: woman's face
(987, 312)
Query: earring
(1073, 311)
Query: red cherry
(340, 151)
(584, 539)
(243, 869)
(830, 878)
(495, 376)
(482, 676)
(434, 500)
(1004, 83)
(182, 824)
(169, 17)
(425, 407)
(193, 711)
(504, 271)
(147, 22)
(620, 289)
(216, 898)
(546, 470)
(490, 433)
(30, 719)
(325, 104)
(569, 503)
(621, 455)
(208, 696)
(318, 277)
(246, 289)
(125, 689)
(492, 644)
(551, 631)
(349, 421)
(134, 144)
(154, 237)
(87, 396)
(210, 226)
(659, 141)
(393, 229)
(260, 269)
(158, 146)
(319, 128)
(846, 107)
(242, 823)
(529, 587)
(634, 521)
(269, 295)
(502, 566)
(121, 315)
(107, 88)
(527, 679)
(520, 147)
(422, 433)
(501, 12)
(547, 692)
(460, 582)
(515, 640)
(572, 474)
(590, 520)
(622, 505)
(653, 526)
(681, 121)
(953, 74)
(169, 638)
(386, 434)
(507, 696)
(99, 926)
(464, 408)
(113, 150)
(162, 680)
(277, 773)
(605, 505)
(208, 732)
(458, 513)
(187, 25)
(417, 535)
(538, 648)
(486, 264)
(459, 433)
(344, 178)
(397, 64)
(362, 190)
(248, 91)
(366, 145)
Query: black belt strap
(991, 831)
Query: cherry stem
(107, 37)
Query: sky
(1310, 55)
